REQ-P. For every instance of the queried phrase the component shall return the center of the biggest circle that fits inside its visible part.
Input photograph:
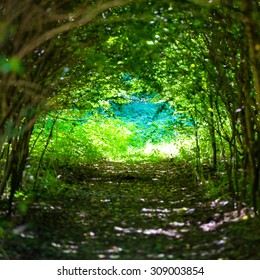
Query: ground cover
(131, 211)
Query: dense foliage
(127, 81)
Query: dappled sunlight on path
(133, 211)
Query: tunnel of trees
(91, 83)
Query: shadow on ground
(132, 211)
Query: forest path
(132, 211)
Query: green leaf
(15, 65)
(12, 64)
(23, 207)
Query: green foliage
(154, 120)
(111, 137)
(135, 127)
(98, 138)
(96, 79)
(67, 142)
(12, 64)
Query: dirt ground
(131, 211)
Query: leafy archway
(201, 58)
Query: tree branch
(83, 19)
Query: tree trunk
(251, 20)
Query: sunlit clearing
(166, 149)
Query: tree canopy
(75, 66)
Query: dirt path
(132, 211)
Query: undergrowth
(72, 140)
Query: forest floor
(131, 211)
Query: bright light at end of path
(168, 149)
